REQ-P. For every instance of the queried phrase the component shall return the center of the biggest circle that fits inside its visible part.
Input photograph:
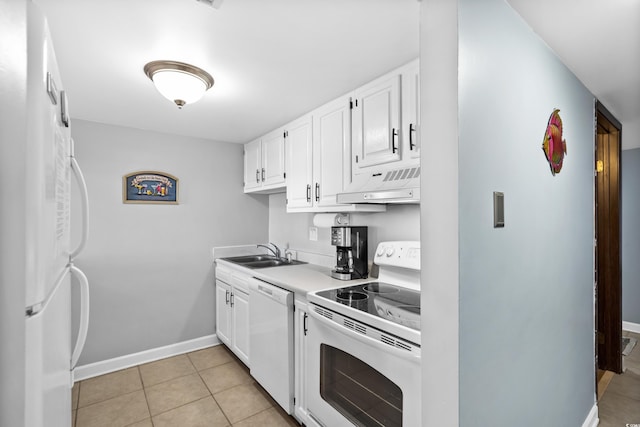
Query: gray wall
(150, 266)
(439, 299)
(630, 235)
(526, 290)
(401, 222)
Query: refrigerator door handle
(84, 314)
(84, 196)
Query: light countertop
(301, 278)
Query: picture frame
(150, 187)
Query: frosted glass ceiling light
(178, 82)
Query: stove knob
(390, 251)
(380, 250)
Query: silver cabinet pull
(308, 192)
(262, 174)
(394, 133)
(257, 176)
(412, 129)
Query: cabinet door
(411, 110)
(376, 121)
(273, 158)
(240, 314)
(331, 150)
(223, 313)
(252, 165)
(298, 142)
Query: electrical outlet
(292, 254)
(313, 233)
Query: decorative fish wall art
(554, 147)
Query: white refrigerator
(50, 271)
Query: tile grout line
(144, 391)
(210, 392)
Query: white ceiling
(600, 42)
(274, 60)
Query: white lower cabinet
(223, 312)
(232, 312)
(300, 360)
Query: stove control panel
(405, 254)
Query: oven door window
(358, 391)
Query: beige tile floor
(209, 387)
(619, 406)
(212, 388)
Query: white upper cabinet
(331, 142)
(376, 122)
(318, 147)
(299, 154)
(264, 163)
(411, 109)
(273, 159)
(385, 120)
(252, 165)
(375, 126)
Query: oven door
(359, 375)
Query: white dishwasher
(271, 340)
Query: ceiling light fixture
(179, 82)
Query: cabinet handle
(226, 297)
(304, 324)
(262, 174)
(411, 131)
(308, 192)
(231, 299)
(394, 133)
(317, 192)
(257, 176)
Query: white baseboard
(592, 419)
(106, 366)
(631, 327)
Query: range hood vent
(384, 186)
(401, 174)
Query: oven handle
(363, 338)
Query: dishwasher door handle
(265, 290)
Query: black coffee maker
(351, 252)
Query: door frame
(608, 260)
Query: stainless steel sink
(261, 261)
(250, 258)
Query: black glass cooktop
(393, 303)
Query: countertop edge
(300, 279)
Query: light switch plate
(498, 209)
(313, 233)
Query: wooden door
(608, 260)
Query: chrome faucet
(275, 250)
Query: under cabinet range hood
(388, 185)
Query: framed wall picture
(150, 187)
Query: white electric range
(363, 346)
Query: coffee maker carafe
(351, 252)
